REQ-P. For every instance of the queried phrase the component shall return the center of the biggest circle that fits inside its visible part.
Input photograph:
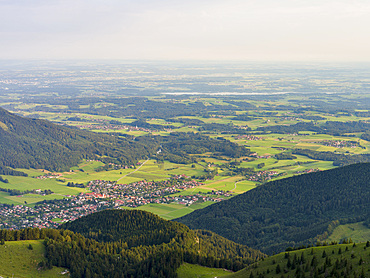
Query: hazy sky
(277, 30)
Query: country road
(134, 170)
(235, 185)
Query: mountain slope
(140, 228)
(119, 252)
(342, 260)
(293, 211)
(36, 143)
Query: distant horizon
(183, 61)
(206, 30)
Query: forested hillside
(32, 143)
(290, 212)
(35, 143)
(133, 244)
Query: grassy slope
(196, 271)
(172, 211)
(19, 261)
(268, 266)
(356, 231)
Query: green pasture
(222, 183)
(171, 211)
(17, 260)
(88, 166)
(28, 183)
(30, 199)
(57, 220)
(187, 169)
(253, 163)
(343, 118)
(32, 172)
(309, 146)
(164, 123)
(4, 198)
(83, 177)
(196, 271)
(151, 170)
(222, 120)
(358, 232)
(244, 186)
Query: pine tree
(278, 269)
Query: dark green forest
(112, 245)
(290, 212)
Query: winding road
(235, 185)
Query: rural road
(134, 170)
(235, 185)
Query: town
(105, 195)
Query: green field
(151, 170)
(223, 183)
(17, 260)
(356, 231)
(196, 271)
(28, 183)
(172, 211)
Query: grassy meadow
(196, 271)
(356, 231)
(172, 211)
(17, 260)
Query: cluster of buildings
(49, 176)
(307, 171)
(142, 192)
(107, 126)
(339, 144)
(260, 156)
(50, 214)
(263, 176)
(249, 137)
(104, 195)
